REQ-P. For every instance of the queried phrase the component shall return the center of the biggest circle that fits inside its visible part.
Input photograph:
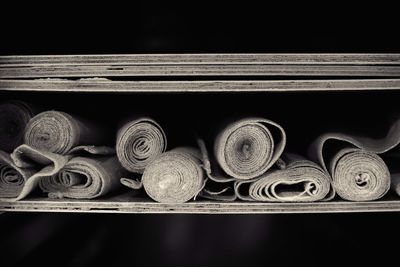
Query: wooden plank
(211, 59)
(128, 204)
(198, 70)
(105, 85)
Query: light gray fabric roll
(59, 132)
(175, 176)
(243, 151)
(298, 180)
(139, 142)
(358, 173)
(12, 178)
(35, 164)
(32, 166)
(14, 117)
(84, 178)
(248, 147)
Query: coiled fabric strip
(299, 180)
(358, 172)
(59, 132)
(175, 176)
(32, 165)
(84, 178)
(247, 148)
(139, 142)
(12, 178)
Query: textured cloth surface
(59, 132)
(298, 180)
(175, 176)
(357, 172)
(38, 163)
(84, 178)
(12, 178)
(87, 172)
(139, 142)
(247, 148)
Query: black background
(198, 27)
(206, 240)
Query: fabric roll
(139, 142)
(248, 147)
(32, 165)
(27, 167)
(358, 173)
(12, 178)
(59, 132)
(175, 176)
(243, 151)
(298, 180)
(84, 178)
(14, 116)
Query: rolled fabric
(299, 180)
(174, 176)
(32, 165)
(248, 147)
(357, 171)
(139, 142)
(12, 178)
(359, 175)
(84, 178)
(58, 132)
(14, 117)
(251, 146)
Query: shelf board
(160, 65)
(197, 59)
(105, 85)
(130, 204)
(198, 70)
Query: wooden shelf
(129, 204)
(105, 85)
(346, 72)
(360, 65)
(181, 59)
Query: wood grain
(129, 204)
(181, 59)
(366, 65)
(198, 70)
(104, 85)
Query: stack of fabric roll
(174, 176)
(249, 157)
(56, 152)
(355, 165)
(66, 156)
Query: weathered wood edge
(198, 70)
(170, 59)
(105, 85)
(197, 207)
